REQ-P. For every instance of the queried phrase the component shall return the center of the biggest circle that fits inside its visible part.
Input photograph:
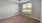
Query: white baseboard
(8, 16)
(31, 17)
(22, 14)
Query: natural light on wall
(27, 8)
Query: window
(27, 8)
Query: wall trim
(8, 16)
(22, 14)
(31, 17)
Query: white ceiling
(16, 1)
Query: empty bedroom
(20, 11)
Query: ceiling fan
(24, 0)
(19, 0)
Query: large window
(27, 8)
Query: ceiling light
(19, 0)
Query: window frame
(26, 9)
(21, 8)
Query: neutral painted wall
(41, 11)
(7, 8)
(36, 9)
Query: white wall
(36, 9)
(8, 8)
(41, 11)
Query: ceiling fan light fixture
(19, 0)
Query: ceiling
(16, 1)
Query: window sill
(26, 13)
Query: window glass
(27, 8)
